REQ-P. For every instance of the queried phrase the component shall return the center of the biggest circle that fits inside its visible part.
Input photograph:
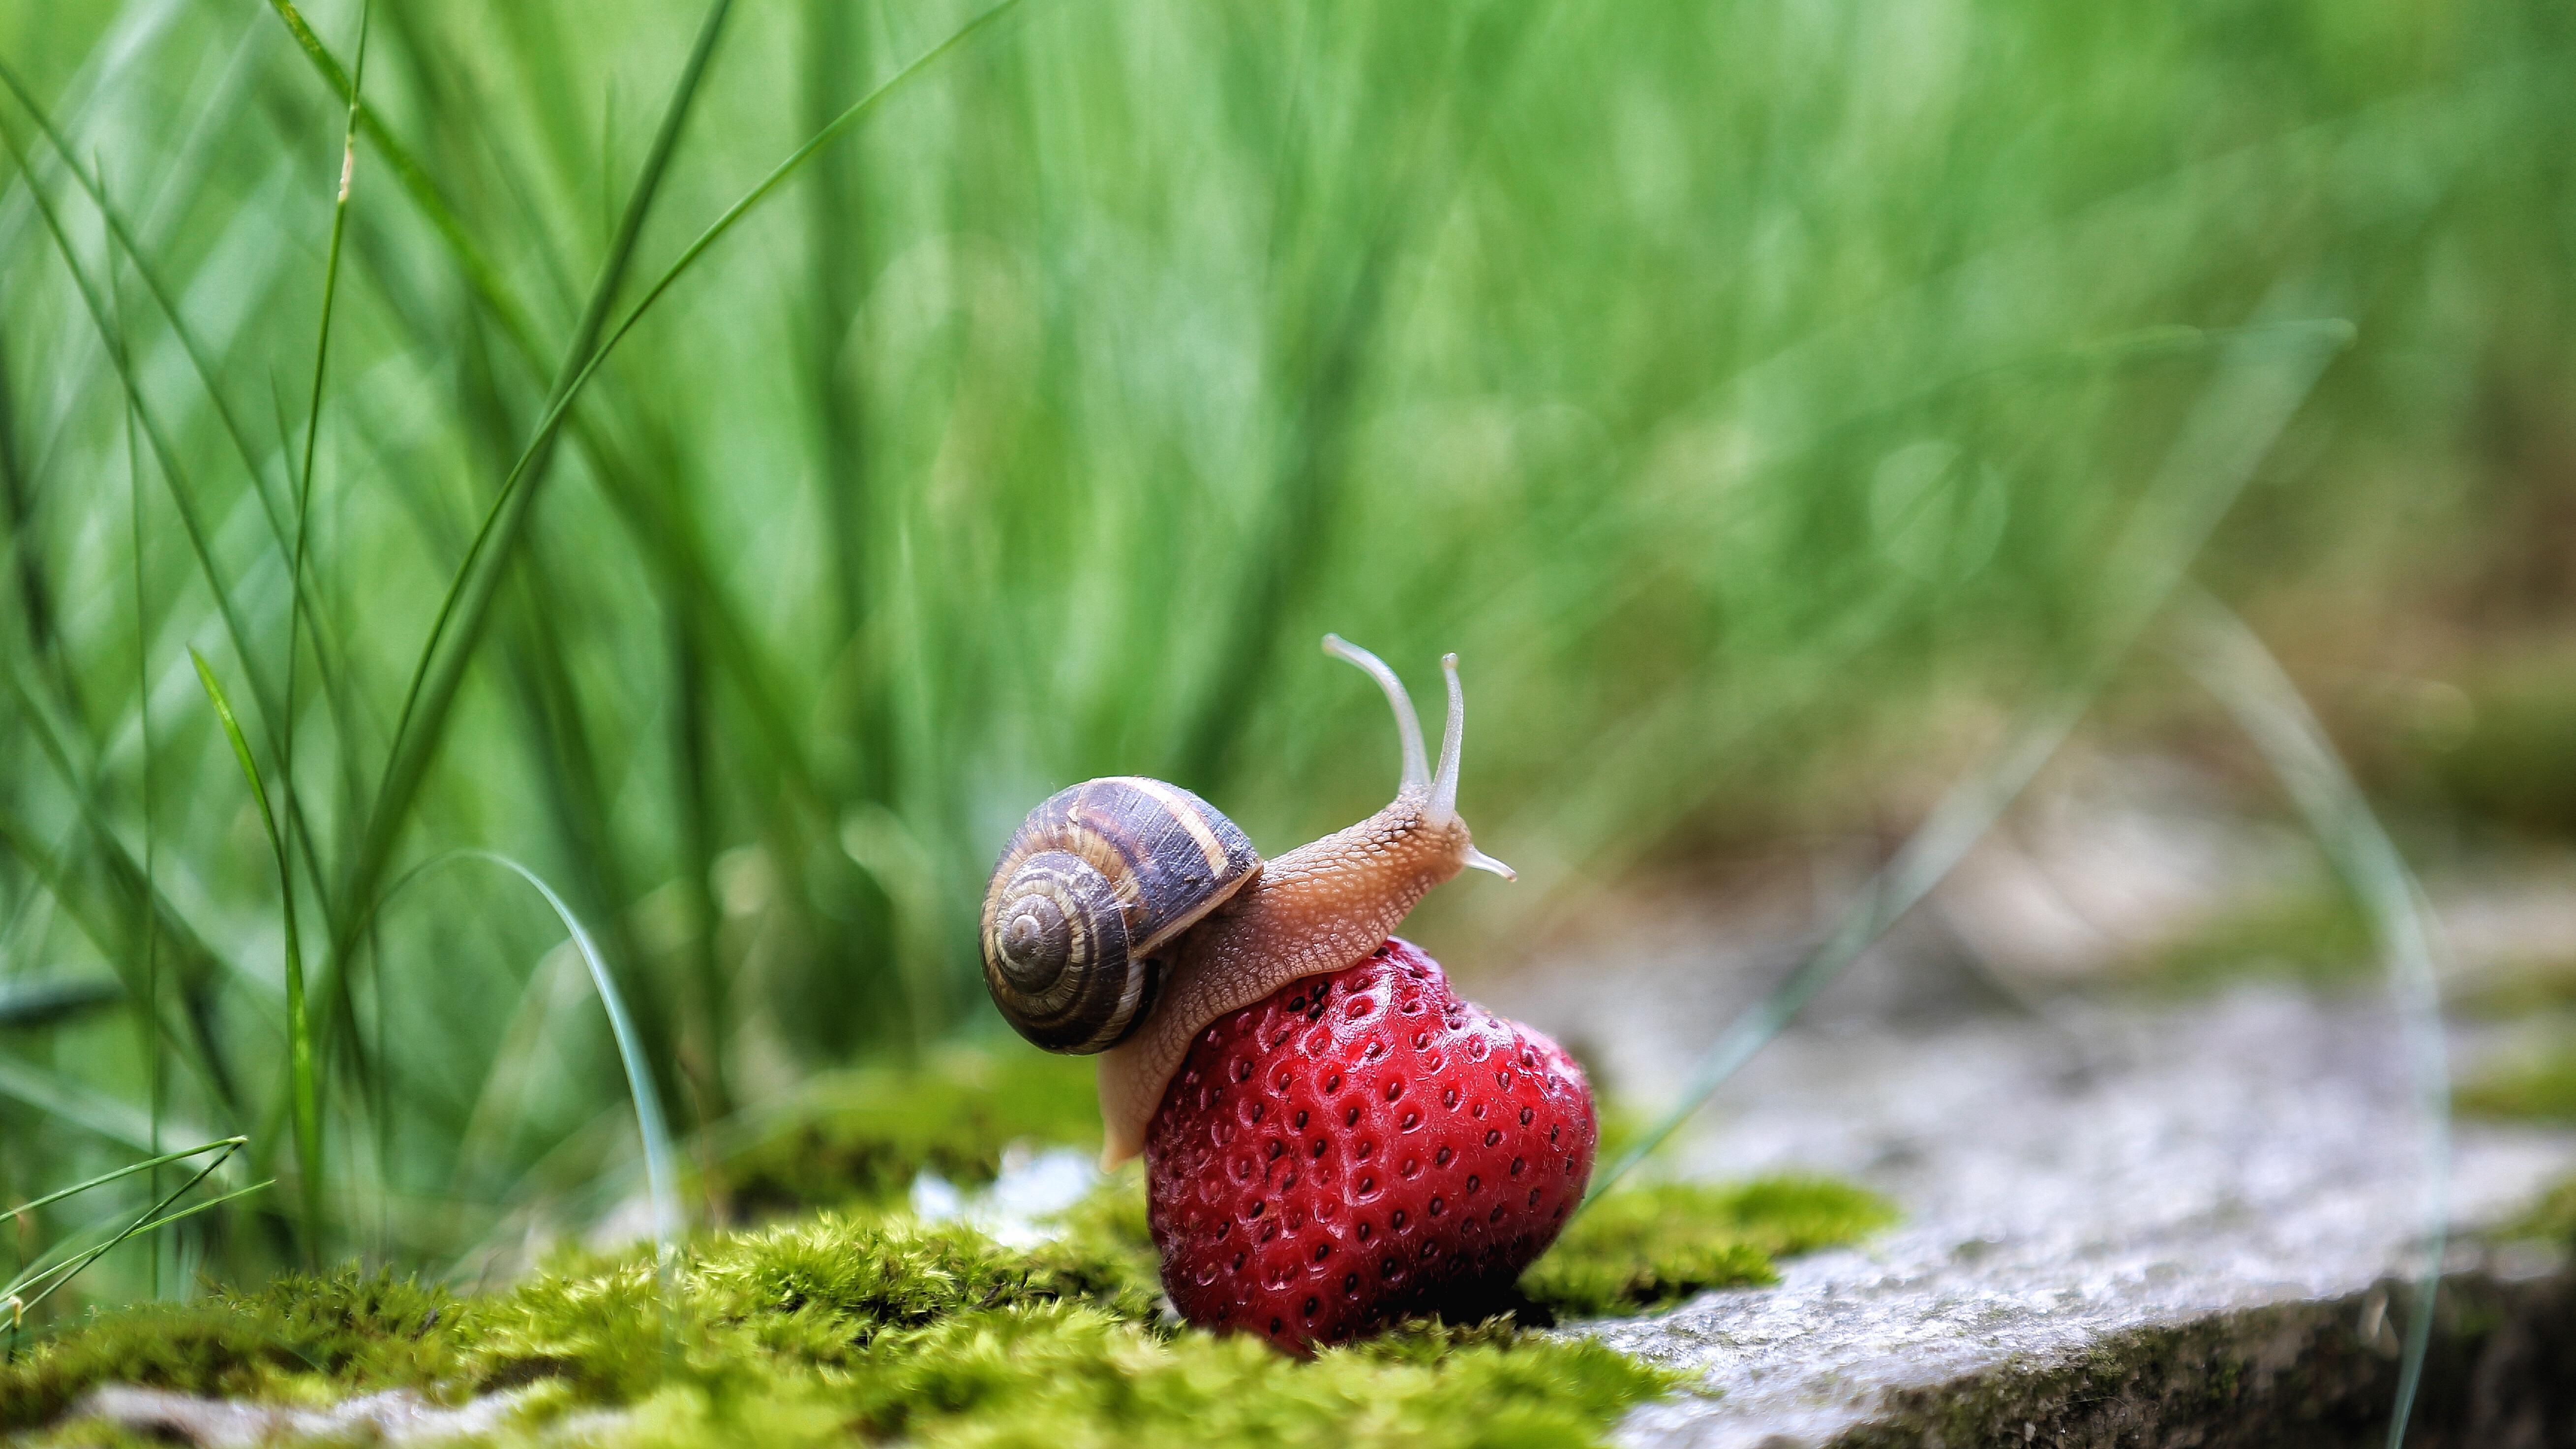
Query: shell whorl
(1098, 882)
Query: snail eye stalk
(1408, 725)
(1444, 785)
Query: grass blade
(25, 562)
(173, 476)
(161, 444)
(127, 885)
(2231, 662)
(297, 604)
(427, 696)
(737, 656)
(304, 1090)
(192, 346)
(76, 1103)
(441, 668)
(121, 233)
(321, 358)
(25, 1004)
(149, 1014)
(128, 1170)
(150, 1219)
(576, 799)
(209, 1205)
(91, 911)
(416, 183)
(662, 1182)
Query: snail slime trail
(1386, 1147)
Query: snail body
(1127, 914)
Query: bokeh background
(1757, 397)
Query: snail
(1127, 914)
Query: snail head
(1427, 797)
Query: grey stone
(393, 1417)
(2081, 1182)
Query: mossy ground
(2550, 1220)
(880, 1327)
(866, 1323)
(1650, 1246)
(2537, 1088)
(2313, 936)
(2518, 990)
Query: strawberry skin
(1360, 1146)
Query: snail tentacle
(1408, 725)
(1444, 784)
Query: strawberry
(1360, 1146)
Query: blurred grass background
(1749, 393)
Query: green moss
(2516, 990)
(1646, 1247)
(1108, 1229)
(297, 1337)
(1074, 1377)
(2541, 1088)
(2550, 1220)
(1066, 1375)
(862, 1139)
(890, 1330)
(2315, 936)
(877, 1327)
(817, 1293)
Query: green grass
(814, 1330)
(46, 1273)
(304, 1100)
(745, 535)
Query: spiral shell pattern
(1100, 879)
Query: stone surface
(2085, 1175)
(396, 1417)
(2064, 1183)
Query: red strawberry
(1360, 1146)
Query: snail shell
(1098, 881)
